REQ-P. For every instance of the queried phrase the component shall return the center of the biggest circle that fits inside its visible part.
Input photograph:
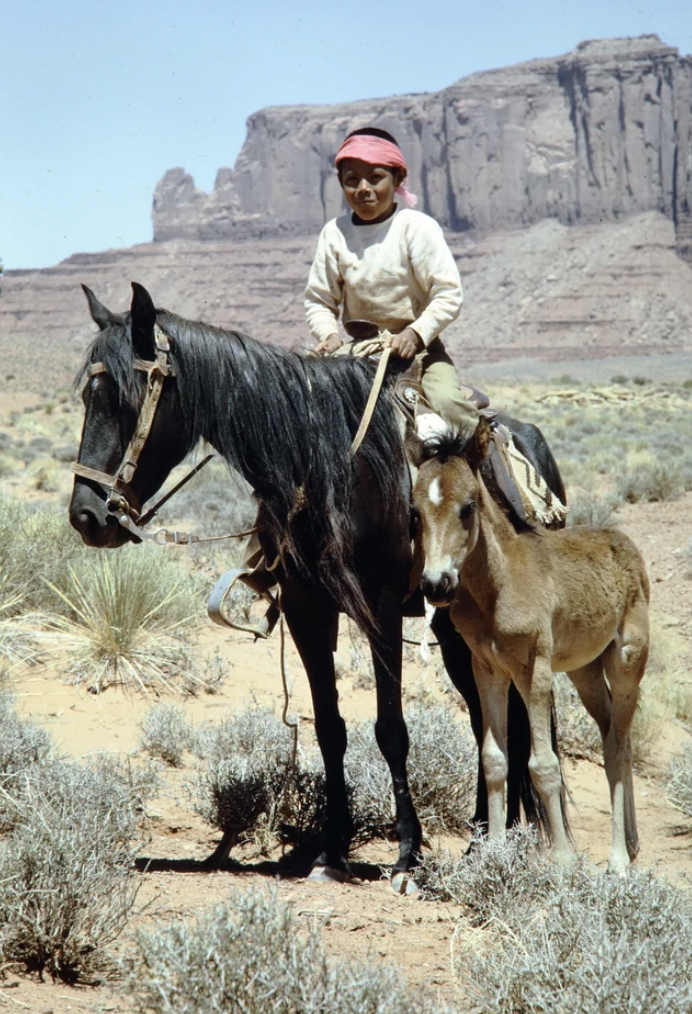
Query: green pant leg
(443, 393)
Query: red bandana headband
(377, 151)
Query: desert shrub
(653, 481)
(679, 788)
(166, 733)
(249, 788)
(499, 879)
(594, 511)
(37, 549)
(22, 745)
(217, 499)
(67, 867)
(17, 632)
(253, 956)
(577, 732)
(128, 611)
(247, 758)
(593, 944)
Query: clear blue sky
(99, 97)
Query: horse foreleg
(392, 735)
(311, 626)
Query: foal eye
(466, 510)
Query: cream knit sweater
(397, 273)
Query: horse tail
(521, 792)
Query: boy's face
(369, 189)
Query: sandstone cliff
(596, 135)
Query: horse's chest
(501, 643)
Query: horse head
(445, 509)
(129, 442)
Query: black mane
(286, 422)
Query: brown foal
(529, 603)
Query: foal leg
(492, 689)
(392, 735)
(534, 683)
(310, 623)
(625, 661)
(456, 655)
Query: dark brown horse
(340, 524)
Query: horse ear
(477, 447)
(143, 320)
(99, 313)
(415, 446)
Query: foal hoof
(403, 883)
(331, 874)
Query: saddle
(516, 478)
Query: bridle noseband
(116, 484)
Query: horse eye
(414, 518)
(466, 510)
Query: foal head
(113, 395)
(445, 510)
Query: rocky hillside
(549, 292)
(565, 186)
(601, 133)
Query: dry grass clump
(595, 944)
(127, 614)
(240, 788)
(67, 867)
(37, 549)
(250, 788)
(499, 878)
(563, 940)
(593, 511)
(17, 633)
(679, 788)
(577, 732)
(166, 733)
(254, 956)
(652, 481)
(23, 744)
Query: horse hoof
(403, 883)
(330, 874)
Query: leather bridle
(117, 483)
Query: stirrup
(221, 591)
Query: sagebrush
(67, 866)
(254, 956)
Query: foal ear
(143, 320)
(478, 445)
(99, 313)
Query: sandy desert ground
(364, 919)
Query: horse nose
(439, 587)
(86, 523)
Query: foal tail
(521, 792)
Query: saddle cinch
(368, 340)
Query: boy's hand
(406, 344)
(328, 346)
